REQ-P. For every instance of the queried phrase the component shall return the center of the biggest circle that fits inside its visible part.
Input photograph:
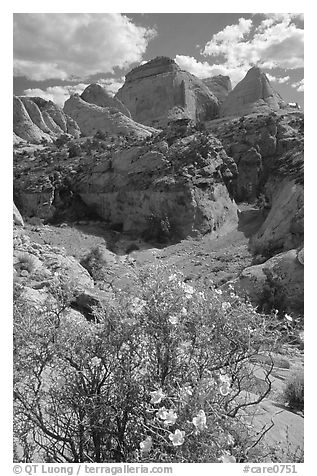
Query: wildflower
(95, 362)
(200, 420)
(146, 445)
(218, 291)
(233, 295)
(170, 417)
(172, 277)
(137, 305)
(173, 320)
(225, 383)
(186, 392)
(157, 396)
(230, 440)
(225, 306)
(189, 290)
(288, 318)
(227, 458)
(177, 438)
(161, 413)
(184, 312)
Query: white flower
(161, 413)
(177, 438)
(218, 291)
(186, 392)
(189, 290)
(225, 306)
(157, 396)
(173, 320)
(233, 295)
(146, 445)
(227, 458)
(137, 306)
(200, 420)
(172, 277)
(230, 440)
(288, 318)
(225, 383)
(95, 362)
(170, 417)
(184, 312)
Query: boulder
(278, 283)
(96, 94)
(253, 93)
(159, 91)
(92, 118)
(24, 127)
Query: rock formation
(96, 94)
(219, 85)
(253, 93)
(277, 283)
(17, 218)
(159, 91)
(92, 118)
(35, 119)
(181, 187)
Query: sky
(58, 54)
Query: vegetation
(294, 392)
(162, 375)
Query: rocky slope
(253, 93)
(92, 118)
(35, 119)
(96, 94)
(159, 91)
(219, 85)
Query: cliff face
(143, 187)
(92, 118)
(219, 85)
(159, 91)
(35, 119)
(253, 94)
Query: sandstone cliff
(35, 119)
(253, 93)
(92, 118)
(96, 94)
(159, 91)
(219, 85)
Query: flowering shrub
(161, 376)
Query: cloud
(299, 85)
(278, 79)
(274, 42)
(62, 45)
(57, 94)
(205, 70)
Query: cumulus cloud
(65, 45)
(274, 42)
(57, 94)
(299, 85)
(278, 79)
(205, 70)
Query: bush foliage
(161, 375)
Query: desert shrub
(61, 140)
(158, 377)
(94, 262)
(26, 262)
(294, 391)
(160, 229)
(74, 150)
